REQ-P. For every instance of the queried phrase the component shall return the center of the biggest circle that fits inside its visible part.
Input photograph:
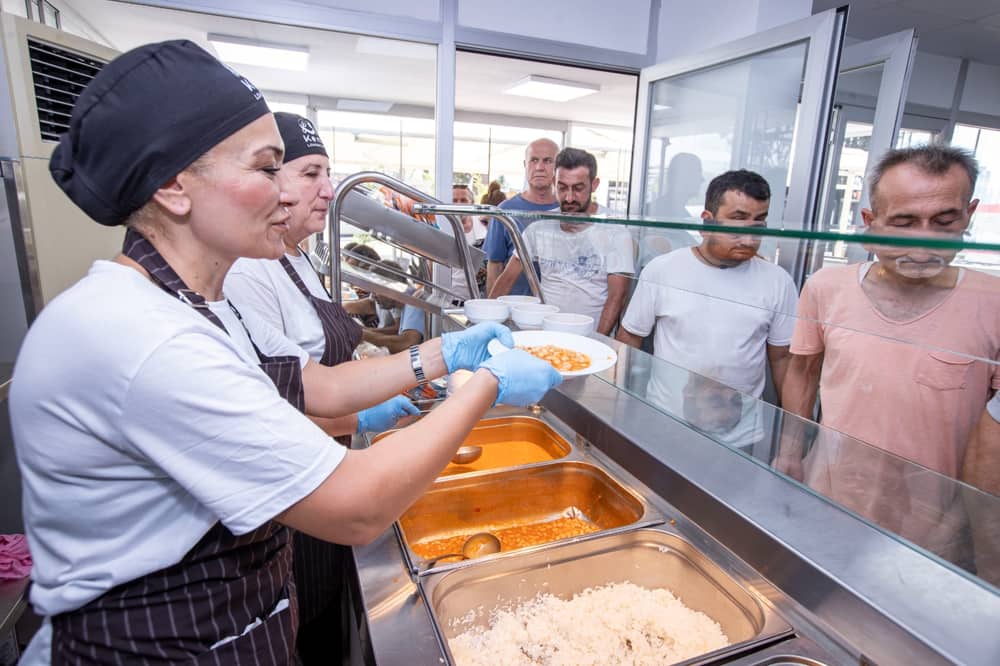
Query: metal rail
(506, 220)
(349, 183)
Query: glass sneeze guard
(896, 387)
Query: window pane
(741, 114)
(985, 145)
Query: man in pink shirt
(902, 348)
(903, 352)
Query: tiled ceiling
(959, 28)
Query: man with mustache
(717, 309)
(584, 268)
(902, 349)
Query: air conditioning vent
(59, 77)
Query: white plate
(601, 356)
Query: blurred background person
(683, 183)
(475, 233)
(494, 195)
(353, 307)
(538, 195)
(398, 326)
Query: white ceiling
(343, 65)
(959, 28)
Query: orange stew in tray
(562, 359)
(512, 537)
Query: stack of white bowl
(566, 322)
(530, 315)
(478, 310)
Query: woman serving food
(164, 450)
(288, 294)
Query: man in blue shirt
(539, 173)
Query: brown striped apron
(320, 566)
(341, 333)
(224, 584)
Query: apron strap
(142, 252)
(297, 279)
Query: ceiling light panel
(551, 89)
(245, 51)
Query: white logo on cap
(309, 134)
(245, 81)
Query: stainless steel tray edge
(773, 629)
(651, 514)
(465, 564)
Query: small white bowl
(519, 300)
(566, 322)
(530, 315)
(486, 309)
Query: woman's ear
(173, 196)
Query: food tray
(509, 441)
(522, 496)
(648, 557)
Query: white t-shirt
(574, 265)
(262, 285)
(994, 407)
(715, 322)
(459, 286)
(408, 317)
(479, 229)
(138, 425)
(721, 412)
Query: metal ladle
(477, 545)
(467, 455)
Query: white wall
(689, 27)
(982, 89)
(932, 84)
(932, 81)
(621, 25)
(772, 13)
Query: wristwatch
(417, 365)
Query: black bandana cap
(145, 117)
(300, 136)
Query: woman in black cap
(288, 294)
(158, 432)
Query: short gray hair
(934, 159)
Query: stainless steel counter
(852, 592)
(399, 628)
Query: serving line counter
(793, 577)
(789, 575)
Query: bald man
(539, 195)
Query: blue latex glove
(523, 378)
(384, 415)
(466, 349)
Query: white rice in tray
(620, 623)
